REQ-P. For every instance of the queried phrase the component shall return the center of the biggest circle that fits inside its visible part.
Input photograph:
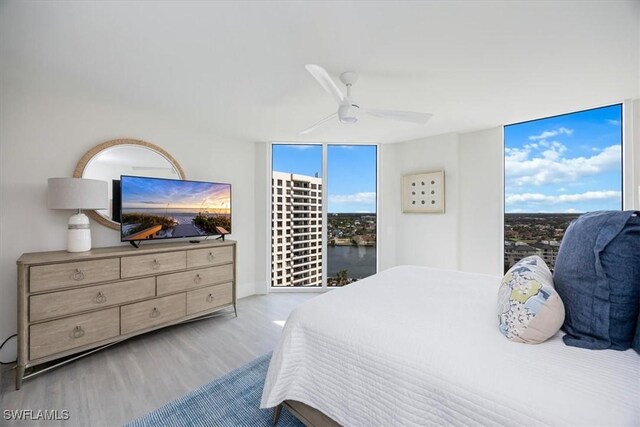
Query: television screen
(158, 208)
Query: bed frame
(309, 416)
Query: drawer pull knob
(197, 279)
(156, 264)
(101, 298)
(210, 298)
(210, 256)
(78, 275)
(77, 332)
(155, 312)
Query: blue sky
(568, 163)
(351, 170)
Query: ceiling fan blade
(327, 83)
(405, 116)
(320, 123)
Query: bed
(420, 346)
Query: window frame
(626, 160)
(323, 215)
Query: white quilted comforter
(420, 346)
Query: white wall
(44, 135)
(631, 180)
(480, 231)
(428, 239)
(468, 236)
(389, 197)
(262, 230)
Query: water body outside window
(351, 213)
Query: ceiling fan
(348, 109)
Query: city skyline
(565, 164)
(351, 172)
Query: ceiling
(237, 68)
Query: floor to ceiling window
(556, 169)
(351, 218)
(296, 215)
(323, 237)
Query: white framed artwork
(423, 192)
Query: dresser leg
(19, 376)
(235, 310)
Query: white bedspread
(420, 346)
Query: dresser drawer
(209, 256)
(64, 334)
(55, 304)
(146, 314)
(142, 265)
(65, 275)
(194, 279)
(208, 298)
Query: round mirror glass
(108, 161)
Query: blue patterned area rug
(232, 400)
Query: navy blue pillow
(597, 275)
(636, 341)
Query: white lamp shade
(77, 193)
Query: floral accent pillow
(529, 308)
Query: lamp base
(79, 233)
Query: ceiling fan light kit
(347, 113)
(348, 109)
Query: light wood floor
(130, 379)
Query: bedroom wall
(262, 220)
(44, 134)
(389, 197)
(632, 151)
(468, 236)
(480, 234)
(428, 239)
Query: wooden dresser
(73, 302)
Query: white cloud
(361, 198)
(563, 198)
(523, 166)
(570, 210)
(613, 122)
(549, 133)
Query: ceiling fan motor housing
(347, 113)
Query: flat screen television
(159, 208)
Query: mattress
(420, 346)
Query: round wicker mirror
(109, 160)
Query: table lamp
(77, 194)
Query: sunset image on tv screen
(155, 208)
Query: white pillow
(529, 308)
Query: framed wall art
(423, 192)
